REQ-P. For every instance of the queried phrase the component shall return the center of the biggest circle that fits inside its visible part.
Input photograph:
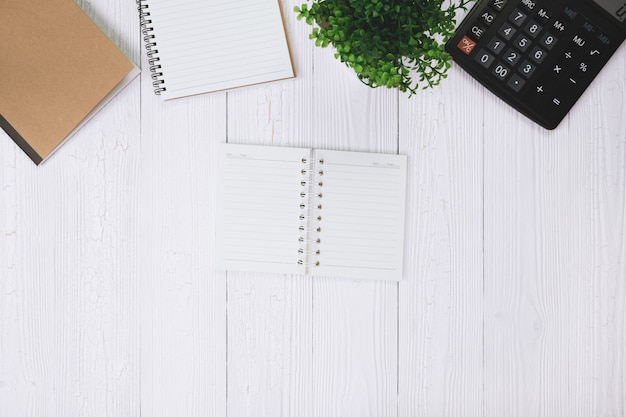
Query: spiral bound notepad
(201, 46)
(311, 211)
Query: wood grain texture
(514, 297)
(183, 297)
(597, 328)
(277, 114)
(270, 316)
(441, 300)
(354, 322)
(554, 254)
(69, 329)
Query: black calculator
(539, 56)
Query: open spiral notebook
(201, 46)
(311, 211)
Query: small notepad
(311, 211)
(201, 46)
(57, 70)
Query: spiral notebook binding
(150, 44)
(310, 214)
(304, 213)
(316, 227)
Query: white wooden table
(513, 302)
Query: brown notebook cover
(56, 70)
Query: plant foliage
(392, 43)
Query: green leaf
(393, 43)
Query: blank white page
(211, 45)
(258, 208)
(362, 215)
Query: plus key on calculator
(539, 56)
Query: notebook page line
(211, 45)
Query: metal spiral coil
(310, 215)
(150, 44)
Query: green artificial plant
(392, 43)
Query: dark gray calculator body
(539, 56)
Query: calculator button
(559, 26)
(579, 41)
(496, 45)
(533, 28)
(516, 82)
(526, 69)
(540, 92)
(568, 60)
(528, 5)
(544, 92)
(538, 55)
(522, 43)
(573, 81)
(589, 27)
(580, 73)
(604, 40)
(497, 5)
(557, 73)
(484, 58)
(517, 17)
(570, 13)
(595, 53)
(507, 31)
(500, 71)
(548, 40)
(477, 32)
(512, 57)
(543, 15)
(487, 17)
(582, 70)
(557, 101)
(466, 45)
(558, 69)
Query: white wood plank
(525, 311)
(596, 322)
(269, 345)
(183, 297)
(270, 316)
(281, 114)
(110, 304)
(354, 322)
(554, 252)
(441, 300)
(69, 334)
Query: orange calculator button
(466, 45)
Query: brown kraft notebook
(56, 70)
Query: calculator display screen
(616, 8)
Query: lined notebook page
(362, 215)
(211, 45)
(258, 216)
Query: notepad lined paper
(259, 198)
(318, 212)
(362, 216)
(212, 45)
